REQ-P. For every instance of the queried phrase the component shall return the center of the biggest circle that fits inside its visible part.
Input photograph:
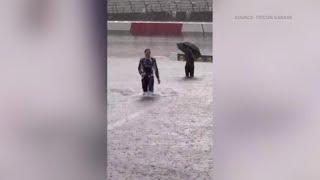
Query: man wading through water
(147, 68)
(192, 52)
(189, 68)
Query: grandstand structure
(160, 10)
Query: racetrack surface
(168, 136)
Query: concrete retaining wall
(186, 27)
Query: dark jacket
(148, 67)
(189, 57)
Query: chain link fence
(160, 10)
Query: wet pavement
(168, 136)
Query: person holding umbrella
(189, 67)
(192, 52)
(147, 67)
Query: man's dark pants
(147, 83)
(189, 69)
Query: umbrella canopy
(185, 46)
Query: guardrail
(203, 58)
(184, 27)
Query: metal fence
(143, 9)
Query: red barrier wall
(151, 29)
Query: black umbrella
(184, 46)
